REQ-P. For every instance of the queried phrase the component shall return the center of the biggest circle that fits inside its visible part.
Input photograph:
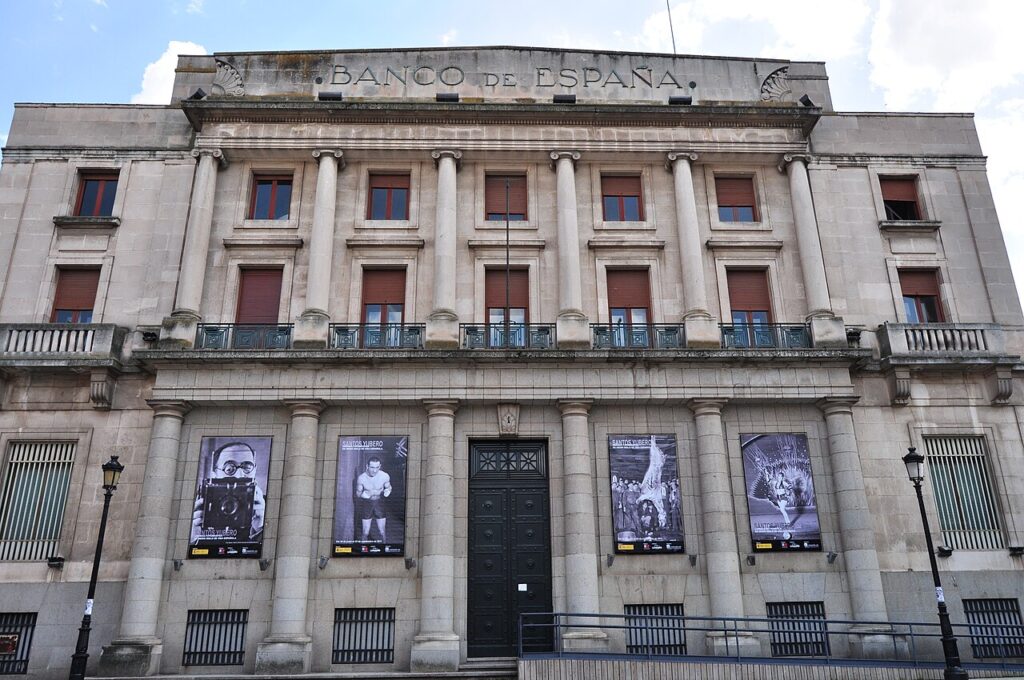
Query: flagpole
(508, 274)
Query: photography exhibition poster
(780, 492)
(230, 505)
(646, 497)
(369, 500)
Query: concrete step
(490, 668)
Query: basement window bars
(364, 635)
(215, 637)
(798, 629)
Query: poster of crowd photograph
(231, 502)
(780, 492)
(369, 501)
(646, 502)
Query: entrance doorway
(509, 546)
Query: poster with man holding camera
(230, 504)
(369, 502)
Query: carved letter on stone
(775, 87)
(227, 81)
(508, 419)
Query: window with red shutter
(622, 198)
(507, 321)
(920, 289)
(899, 196)
(271, 197)
(497, 205)
(389, 197)
(75, 297)
(751, 307)
(629, 306)
(96, 191)
(383, 307)
(259, 296)
(736, 199)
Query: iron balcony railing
(377, 336)
(507, 336)
(765, 336)
(249, 336)
(637, 336)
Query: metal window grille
(364, 635)
(16, 631)
(995, 627)
(35, 489)
(655, 629)
(215, 637)
(968, 513)
(798, 628)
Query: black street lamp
(111, 474)
(915, 470)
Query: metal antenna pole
(508, 275)
(670, 28)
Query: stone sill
(51, 362)
(909, 225)
(945, 361)
(83, 222)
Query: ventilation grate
(364, 635)
(215, 637)
(655, 629)
(995, 627)
(798, 628)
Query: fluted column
(701, 326)
(311, 329)
(288, 647)
(436, 647)
(572, 328)
(443, 322)
(137, 649)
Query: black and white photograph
(780, 492)
(369, 501)
(646, 498)
(231, 503)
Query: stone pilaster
(701, 326)
(137, 650)
(443, 322)
(288, 648)
(312, 326)
(436, 647)
(572, 326)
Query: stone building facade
(699, 253)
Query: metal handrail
(765, 336)
(507, 336)
(244, 336)
(376, 335)
(638, 336)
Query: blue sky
(881, 55)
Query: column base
(572, 329)
(702, 331)
(131, 658)
(442, 330)
(178, 331)
(435, 652)
(732, 644)
(585, 641)
(284, 655)
(311, 330)
(828, 332)
(877, 642)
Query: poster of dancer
(369, 500)
(780, 492)
(646, 499)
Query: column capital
(324, 154)
(674, 156)
(216, 154)
(454, 154)
(707, 407)
(441, 407)
(788, 158)
(559, 155)
(170, 408)
(305, 407)
(575, 407)
(833, 405)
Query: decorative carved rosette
(775, 87)
(227, 81)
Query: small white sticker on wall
(522, 587)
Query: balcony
(765, 336)
(941, 340)
(377, 336)
(532, 336)
(638, 336)
(232, 336)
(55, 345)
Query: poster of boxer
(780, 492)
(646, 499)
(369, 500)
(230, 503)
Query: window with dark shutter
(506, 322)
(495, 199)
(920, 289)
(629, 307)
(736, 199)
(751, 308)
(259, 296)
(383, 307)
(389, 197)
(899, 195)
(271, 197)
(96, 193)
(621, 198)
(76, 295)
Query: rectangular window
(750, 303)
(364, 635)
(622, 198)
(96, 194)
(271, 197)
(16, 632)
(383, 307)
(259, 296)
(389, 197)
(505, 195)
(215, 637)
(629, 307)
(797, 628)
(506, 321)
(736, 200)
(655, 629)
(35, 490)
(964, 496)
(76, 295)
(899, 196)
(920, 289)
(996, 629)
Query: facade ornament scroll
(901, 387)
(775, 88)
(227, 81)
(101, 388)
(337, 153)
(508, 420)
(217, 155)
(673, 156)
(438, 154)
(1004, 385)
(790, 157)
(574, 156)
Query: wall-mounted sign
(369, 500)
(646, 499)
(780, 492)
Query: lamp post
(111, 474)
(915, 470)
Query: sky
(881, 55)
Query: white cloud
(449, 37)
(158, 78)
(195, 6)
(1000, 135)
(94, 28)
(101, 3)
